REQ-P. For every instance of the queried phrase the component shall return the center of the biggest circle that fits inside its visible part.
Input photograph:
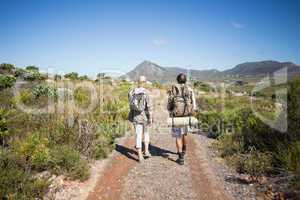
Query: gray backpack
(180, 101)
(137, 102)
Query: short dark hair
(181, 78)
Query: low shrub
(66, 160)
(6, 81)
(82, 97)
(33, 75)
(72, 76)
(290, 157)
(257, 163)
(18, 183)
(6, 67)
(229, 145)
(3, 126)
(33, 152)
(44, 90)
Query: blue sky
(116, 35)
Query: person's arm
(149, 108)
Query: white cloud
(160, 42)
(237, 25)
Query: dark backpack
(180, 101)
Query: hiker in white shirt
(140, 116)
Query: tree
(100, 75)
(72, 75)
(57, 77)
(32, 68)
(84, 78)
(7, 67)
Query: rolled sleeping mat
(182, 121)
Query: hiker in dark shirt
(181, 104)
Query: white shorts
(179, 132)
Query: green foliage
(3, 126)
(84, 78)
(32, 68)
(33, 151)
(20, 72)
(257, 163)
(57, 77)
(66, 160)
(6, 67)
(72, 75)
(26, 96)
(18, 183)
(49, 141)
(294, 109)
(157, 85)
(44, 90)
(202, 86)
(258, 94)
(82, 97)
(291, 161)
(100, 75)
(33, 75)
(231, 144)
(6, 81)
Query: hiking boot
(147, 155)
(184, 150)
(180, 159)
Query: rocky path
(159, 177)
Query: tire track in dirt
(205, 182)
(110, 183)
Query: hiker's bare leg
(146, 142)
(138, 141)
(179, 141)
(184, 139)
(140, 154)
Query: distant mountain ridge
(155, 72)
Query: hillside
(262, 68)
(155, 72)
(158, 73)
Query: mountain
(262, 68)
(154, 72)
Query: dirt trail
(159, 177)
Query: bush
(6, 81)
(33, 75)
(16, 182)
(3, 126)
(33, 151)
(72, 76)
(82, 97)
(203, 86)
(7, 68)
(20, 72)
(290, 157)
(231, 144)
(66, 160)
(257, 163)
(157, 85)
(84, 78)
(45, 90)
